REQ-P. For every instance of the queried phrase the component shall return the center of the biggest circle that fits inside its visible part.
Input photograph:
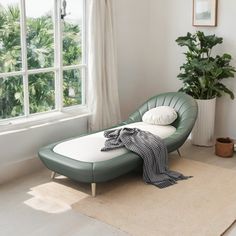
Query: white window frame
(57, 69)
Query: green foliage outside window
(40, 54)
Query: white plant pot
(203, 131)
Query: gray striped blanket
(150, 148)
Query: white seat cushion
(88, 148)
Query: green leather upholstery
(185, 106)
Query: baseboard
(16, 170)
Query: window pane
(10, 44)
(11, 97)
(41, 92)
(40, 34)
(72, 33)
(72, 89)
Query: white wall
(18, 149)
(132, 36)
(149, 59)
(168, 20)
(226, 108)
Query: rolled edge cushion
(162, 115)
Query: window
(42, 56)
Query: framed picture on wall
(204, 12)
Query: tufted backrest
(184, 105)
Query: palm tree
(40, 54)
(11, 89)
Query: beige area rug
(204, 205)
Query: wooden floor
(18, 218)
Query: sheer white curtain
(103, 99)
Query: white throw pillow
(163, 115)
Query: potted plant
(202, 75)
(224, 147)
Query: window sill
(40, 120)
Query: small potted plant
(202, 75)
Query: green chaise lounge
(80, 158)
